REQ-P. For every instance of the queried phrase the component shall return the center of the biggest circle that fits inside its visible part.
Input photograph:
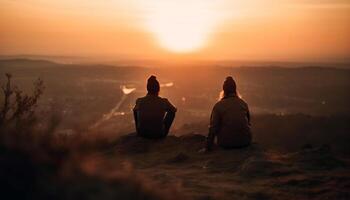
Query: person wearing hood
(153, 115)
(230, 120)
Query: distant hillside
(48, 69)
(270, 89)
(24, 62)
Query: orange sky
(284, 30)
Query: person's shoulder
(242, 101)
(164, 99)
(138, 103)
(219, 104)
(168, 104)
(140, 99)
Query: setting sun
(167, 30)
(180, 28)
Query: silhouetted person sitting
(230, 120)
(153, 115)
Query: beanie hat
(152, 85)
(229, 86)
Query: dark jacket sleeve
(135, 110)
(214, 127)
(248, 112)
(169, 107)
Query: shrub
(37, 164)
(18, 107)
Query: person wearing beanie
(230, 120)
(153, 115)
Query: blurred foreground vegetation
(37, 162)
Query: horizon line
(111, 58)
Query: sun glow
(182, 26)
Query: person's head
(229, 86)
(153, 85)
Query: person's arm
(213, 128)
(135, 118)
(169, 116)
(248, 116)
(135, 110)
(248, 112)
(169, 107)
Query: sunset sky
(279, 30)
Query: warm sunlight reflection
(127, 90)
(182, 26)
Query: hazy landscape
(72, 71)
(83, 93)
(81, 144)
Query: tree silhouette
(17, 106)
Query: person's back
(153, 114)
(234, 128)
(230, 120)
